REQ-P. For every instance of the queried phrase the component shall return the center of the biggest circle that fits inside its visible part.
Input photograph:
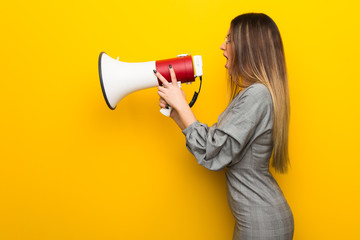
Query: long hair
(258, 57)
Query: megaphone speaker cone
(119, 79)
(102, 83)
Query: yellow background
(73, 169)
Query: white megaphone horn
(119, 79)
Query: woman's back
(254, 195)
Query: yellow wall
(73, 169)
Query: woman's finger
(173, 76)
(163, 105)
(162, 101)
(161, 78)
(161, 94)
(162, 89)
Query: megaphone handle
(167, 111)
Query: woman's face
(226, 47)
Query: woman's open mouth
(227, 59)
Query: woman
(253, 127)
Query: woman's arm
(185, 116)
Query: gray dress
(241, 141)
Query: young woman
(253, 127)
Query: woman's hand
(171, 92)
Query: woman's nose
(222, 47)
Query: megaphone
(119, 79)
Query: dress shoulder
(252, 104)
(257, 92)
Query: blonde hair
(258, 57)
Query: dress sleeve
(217, 146)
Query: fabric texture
(241, 142)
